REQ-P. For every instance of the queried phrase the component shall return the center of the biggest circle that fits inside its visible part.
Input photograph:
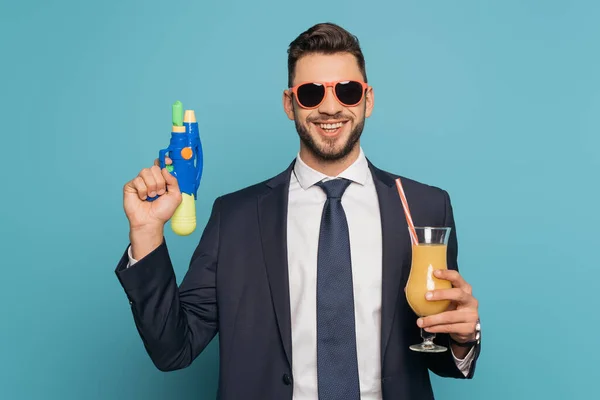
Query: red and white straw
(411, 226)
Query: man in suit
(303, 275)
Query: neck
(329, 167)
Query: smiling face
(331, 131)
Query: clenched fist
(147, 218)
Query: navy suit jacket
(237, 286)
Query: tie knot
(335, 188)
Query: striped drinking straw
(411, 226)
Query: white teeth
(331, 126)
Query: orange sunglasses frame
(364, 85)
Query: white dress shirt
(305, 206)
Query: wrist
(473, 339)
(144, 240)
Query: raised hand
(147, 218)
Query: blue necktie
(337, 364)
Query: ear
(288, 104)
(370, 102)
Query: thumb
(171, 181)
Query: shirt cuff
(464, 365)
(131, 259)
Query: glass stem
(427, 337)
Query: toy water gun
(185, 151)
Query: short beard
(322, 154)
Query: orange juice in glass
(428, 255)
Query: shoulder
(425, 200)
(410, 185)
(248, 195)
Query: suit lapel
(395, 250)
(272, 215)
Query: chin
(331, 149)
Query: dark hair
(324, 38)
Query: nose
(330, 105)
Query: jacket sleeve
(175, 323)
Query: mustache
(326, 119)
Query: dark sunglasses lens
(349, 92)
(310, 94)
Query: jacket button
(287, 379)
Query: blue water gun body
(185, 152)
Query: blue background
(495, 101)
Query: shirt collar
(307, 176)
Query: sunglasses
(311, 94)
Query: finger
(463, 329)
(448, 317)
(149, 181)
(454, 277)
(160, 180)
(454, 294)
(140, 187)
(168, 161)
(129, 187)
